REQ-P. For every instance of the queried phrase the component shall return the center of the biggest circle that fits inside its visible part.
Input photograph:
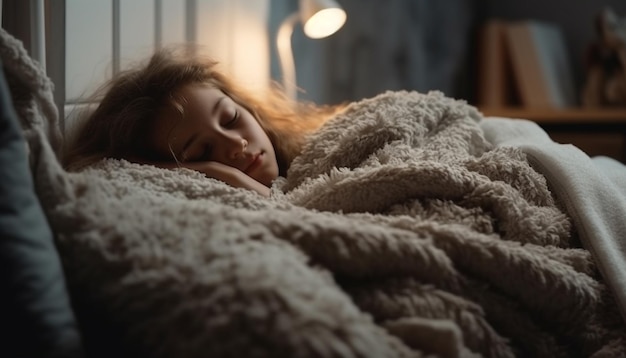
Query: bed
(409, 226)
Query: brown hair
(119, 126)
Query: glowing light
(324, 23)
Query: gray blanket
(399, 231)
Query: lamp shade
(321, 18)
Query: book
(493, 84)
(541, 65)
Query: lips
(256, 161)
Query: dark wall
(384, 45)
(574, 17)
(416, 35)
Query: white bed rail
(38, 33)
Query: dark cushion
(36, 319)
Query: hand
(229, 175)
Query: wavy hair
(129, 104)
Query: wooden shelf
(560, 116)
(595, 131)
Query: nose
(236, 147)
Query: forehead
(197, 98)
(191, 104)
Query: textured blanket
(399, 232)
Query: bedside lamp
(320, 18)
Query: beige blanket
(398, 232)
(593, 191)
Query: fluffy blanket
(399, 232)
(592, 191)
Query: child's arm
(231, 176)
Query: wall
(432, 43)
(235, 31)
(384, 45)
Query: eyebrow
(191, 139)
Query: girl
(179, 111)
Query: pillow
(37, 320)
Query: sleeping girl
(178, 110)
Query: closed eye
(233, 120)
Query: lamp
(320, 18)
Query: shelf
(595, 131)
(560, 116)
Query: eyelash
(233, 120)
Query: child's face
(215, 128)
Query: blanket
(400, 231)
(592, 190)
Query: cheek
(261, 133)
(159, 138)
(153, 143)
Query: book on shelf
(539, 66)
(492, 81)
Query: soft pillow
(37, 320)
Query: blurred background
(384, 45)
(421, 44)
